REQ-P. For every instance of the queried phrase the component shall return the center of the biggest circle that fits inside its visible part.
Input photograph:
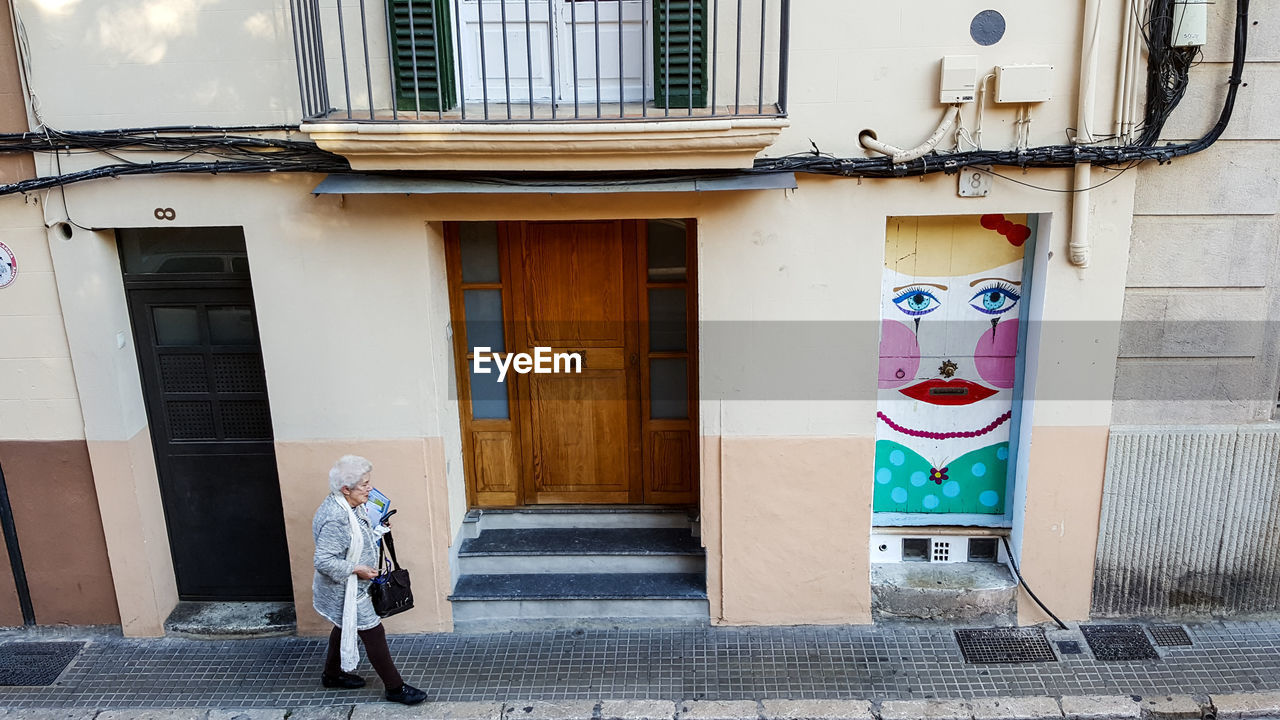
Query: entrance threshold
(231, 620)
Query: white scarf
(350, 655)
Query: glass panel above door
(479, 249)
(207, 250)
(666, 251)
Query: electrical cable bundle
(1168, 71)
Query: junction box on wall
(1190, 23)
(1023, 83)
(959, 81)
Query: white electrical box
(1190, 23)
(1023, 83)
(959, 79)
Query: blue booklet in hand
(377, 506)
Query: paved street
(589, 667)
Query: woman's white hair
(347, 472)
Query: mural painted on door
(950, 304)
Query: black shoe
(407, 694)
(344, 680)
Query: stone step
(575, 586)
(493, 603)
(231, 620)
(978, 593)
(582, 550)
(579, 516)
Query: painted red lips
(948, 392)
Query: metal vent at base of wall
(1004, 645)
(1118, 642)
(35, 663)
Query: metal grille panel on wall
(1189, 519)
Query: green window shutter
(680, 30)
(429, 46)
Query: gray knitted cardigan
(332, 532)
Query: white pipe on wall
(898, 155)
(1078, 249)
(1122, 87)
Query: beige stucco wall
(411, 471)
(91, 293)
(112, 63)
(38, 399)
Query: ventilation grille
(183, 373)
(245, 419)
(190, 420)
(238, 373)
(941, 550)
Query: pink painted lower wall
(1060, 526)
(409, 471)
(68, 573)
(786, 522)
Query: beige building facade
(357, 305)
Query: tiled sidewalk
(853, 662)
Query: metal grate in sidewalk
(35, 663)
(1170, 635)
(1004, 645)
(1118, 642)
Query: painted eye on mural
(995, 299)
(916, 302)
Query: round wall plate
(8, 266)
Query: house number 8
(165, 214)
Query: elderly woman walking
(346, 551)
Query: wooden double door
(609, 305)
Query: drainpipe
(15, 555)
(1078, 250)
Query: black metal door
(206, 397)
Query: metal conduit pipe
(868, 140)
(1078, 249)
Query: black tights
(375, 646)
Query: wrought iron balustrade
(539, 60)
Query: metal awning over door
(361, 184)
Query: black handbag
(390, 591)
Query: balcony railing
(539, 60)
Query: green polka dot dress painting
(972, 483)
(950, 304)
